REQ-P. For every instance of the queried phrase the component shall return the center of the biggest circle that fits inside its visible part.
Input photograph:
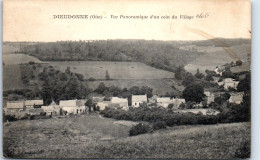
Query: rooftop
(139, 98)
(164, 100)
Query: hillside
(159, 54)
(116, 70)
(218, 56)
(97, 137)
(128, 62)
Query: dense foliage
(62, 86)
(139, 129)
(160, 117)
(114, 50)
(194, 93)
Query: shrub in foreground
(139, 129)
(159, 125)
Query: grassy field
(122, 74)
(217, 56)
(9, 58)
(97, 137)
(116, 70)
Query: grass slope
(95, 137)
(218, 56)
(123, 74)
(116, 70)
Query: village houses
(121, 102)
(164, 101)
(102, 105)
(73, 106)
(209, 97)
(138, 99)
(32, 107)
(52, 109)
(230, 83)
(33, 103)
(177, 102)
(14, 106)
(218, 71)
(236, 98)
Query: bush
(9, 118)
(31, 62)
(91, 79)
(139, 129)
(159, 125)
(239, 63)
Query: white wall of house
(103, 105)
(137, 104)
(74, 109)
(163, 104)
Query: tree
(68, 70)
(193, 93)
(225, 96)
(238, 62)
(63, 77)
(245, 85)
(89, 104)
(179, 72)
(80, 77)
(170, 106)
(198, 74)
(46, 93)
(101, 88)
(135, 90)
(146, 90)
(107, 75)
(218, 100)
(188, 80)
(209, 78)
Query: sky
(32, 20)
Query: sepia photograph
(126, 79)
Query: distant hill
(121, 58)
(160, 54)
(218, 56)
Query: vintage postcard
(126, 79)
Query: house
(164, 101)
(34, 111)
(138, 99)
(230, 83)
(53, 109)
(73, 106)
(209, 97)
(218, 71)
(14, 106)
(177, 102)
(236, 98)
(123, 102)
(97, 99)
(153, 99)
(102, 105)
(18, 108)
(33, 103)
